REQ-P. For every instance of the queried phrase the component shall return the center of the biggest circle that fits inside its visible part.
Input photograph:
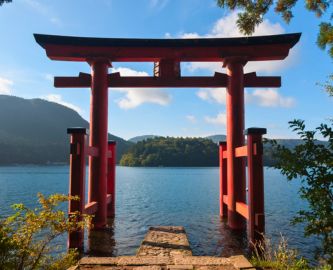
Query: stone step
(176, 262)
(164, 248)
(165, 241)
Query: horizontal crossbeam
(117, 81)
(242, 209)
(91, 208)
(241, 151)
(256, 48)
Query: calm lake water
(166, 196)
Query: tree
(253, 13)
(4, 1)
(27, 238)
(312, 163)
(172, 152)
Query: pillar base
(97, 225)
(236, 221)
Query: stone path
(165, 241)
(164, 248)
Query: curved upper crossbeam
(258, 48)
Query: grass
(280, 257)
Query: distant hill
(214, 138)
(34, 131)
(141, 138)
(269, 158)
(172, 152)
(217, 138)
(289, 143)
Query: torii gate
(167, 54)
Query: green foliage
(253, 13)
(172, 152)
(325, 37)
(312, 163)
(176, 152)
(328, 87)
(27, 238)
(279, 257)
(4, 1)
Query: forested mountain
(172, 152)
(182, 152)
(34, 131)
(214, 138)
(141, 138)
(217, 138)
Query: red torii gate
(167, 54)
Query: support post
(235, 138)
(98, 139)
(223, 179)
(77, 173)
(256, 223)
(111, 184)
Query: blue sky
(25, 71)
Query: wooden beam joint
(170, 77)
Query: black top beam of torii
(167, 54)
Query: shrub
(280, 257)
(27, 238)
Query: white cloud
(262, 97)
(213, 94)
(269, 98)
(191, 118)
(58, 99)
(138, 96)
(49, 77)
(5, 86)
(220, 119)
(56, 21)
(44, 10)
(158, 4)
(227, 27)
(128, 72)
(191, 35)
(135, 97)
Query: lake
(186, 197)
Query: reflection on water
(101, 243)
(231, 242)
(164, 196)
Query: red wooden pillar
(98, 139)
(235, 138)
(223, 179)
(256, 221)
(77, 175)
(111, 182)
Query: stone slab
(165, 263)
(164, 248)
(126, 260)
(165, 241)
(240, 262)
(201, 260)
